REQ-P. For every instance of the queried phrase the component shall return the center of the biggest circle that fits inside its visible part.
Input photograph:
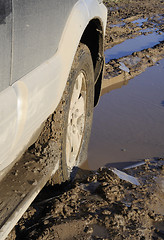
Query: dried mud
(100, 205)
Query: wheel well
(93, 38)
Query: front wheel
(76, 112)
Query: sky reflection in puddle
(118, 25)
(133, 45)
(140, 21)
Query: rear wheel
(76, 111)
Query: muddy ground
(100, 205)
(103, 205)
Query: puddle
(118, 25)
(149, 30)
(100, 232)
(160, 225)
(140, 21)
(114, 8)
(128, 123)
(133, 45)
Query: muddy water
(133, 45)
(128, 123)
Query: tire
(74, 114)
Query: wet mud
(102, 204)
(108, 203)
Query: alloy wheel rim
(76, 120)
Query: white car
(51, 63)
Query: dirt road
(107, 203)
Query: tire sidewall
(82, 63)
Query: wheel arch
(93, 37)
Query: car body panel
(37, 29)
(5, 42)
(38, 93)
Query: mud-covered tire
(81, 74)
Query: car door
(33, 33)
(8, 103)
(5, 43)
(38, 26)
